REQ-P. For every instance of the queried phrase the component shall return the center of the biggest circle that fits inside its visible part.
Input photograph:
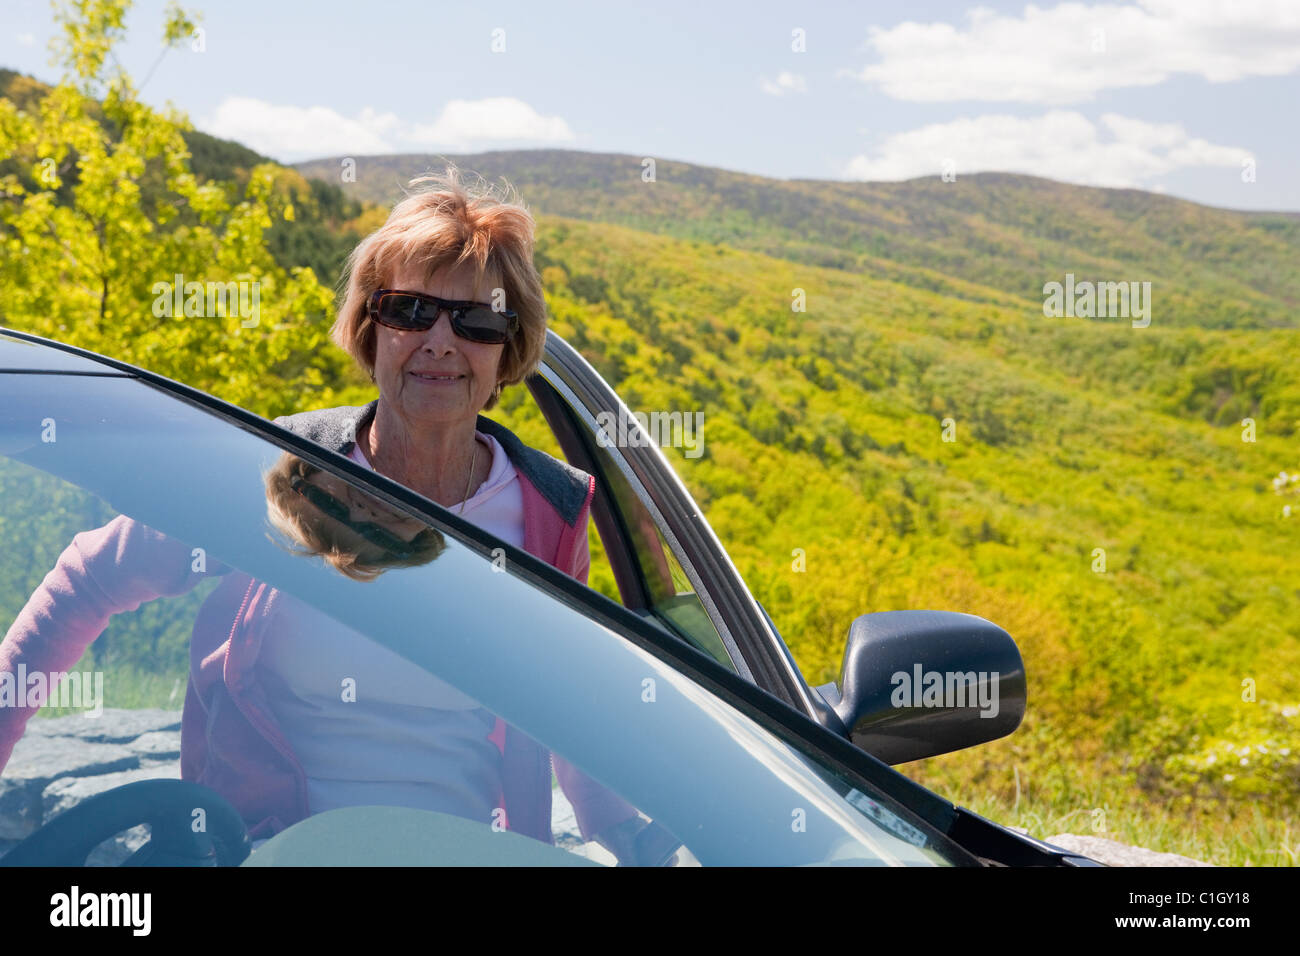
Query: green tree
(101, 216)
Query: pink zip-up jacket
(230, 740)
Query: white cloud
(1067, 53)
(465, 124)
(291, 133)
(26, 39)
(786, 82)
(1060, 144)
(298, 132)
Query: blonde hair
(308, 531)
(441, 225)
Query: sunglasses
(376, 534)
(416, 312)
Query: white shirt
(498, 504)
(407, 739)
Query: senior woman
(443, 308)
(447, 254)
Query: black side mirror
(919, 683)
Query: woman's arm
(101, 573)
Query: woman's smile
(432, 378)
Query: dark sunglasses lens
(477, 323)
(481, 324)
(326, 502)
(405, 312)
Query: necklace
(473, 458)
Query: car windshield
(332, 650)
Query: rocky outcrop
(63, 760)
(1118, 854)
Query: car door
(186, 490)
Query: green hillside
(1208, 267)
(823, 432)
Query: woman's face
(406, 361)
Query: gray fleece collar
(564, 486)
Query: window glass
(671, 596)
(668, 593)
(329, 634)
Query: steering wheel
(170, 807)
(656, 846)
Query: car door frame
(572, 396)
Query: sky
(1194, 98)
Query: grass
(131, 689)
(1249, 837)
